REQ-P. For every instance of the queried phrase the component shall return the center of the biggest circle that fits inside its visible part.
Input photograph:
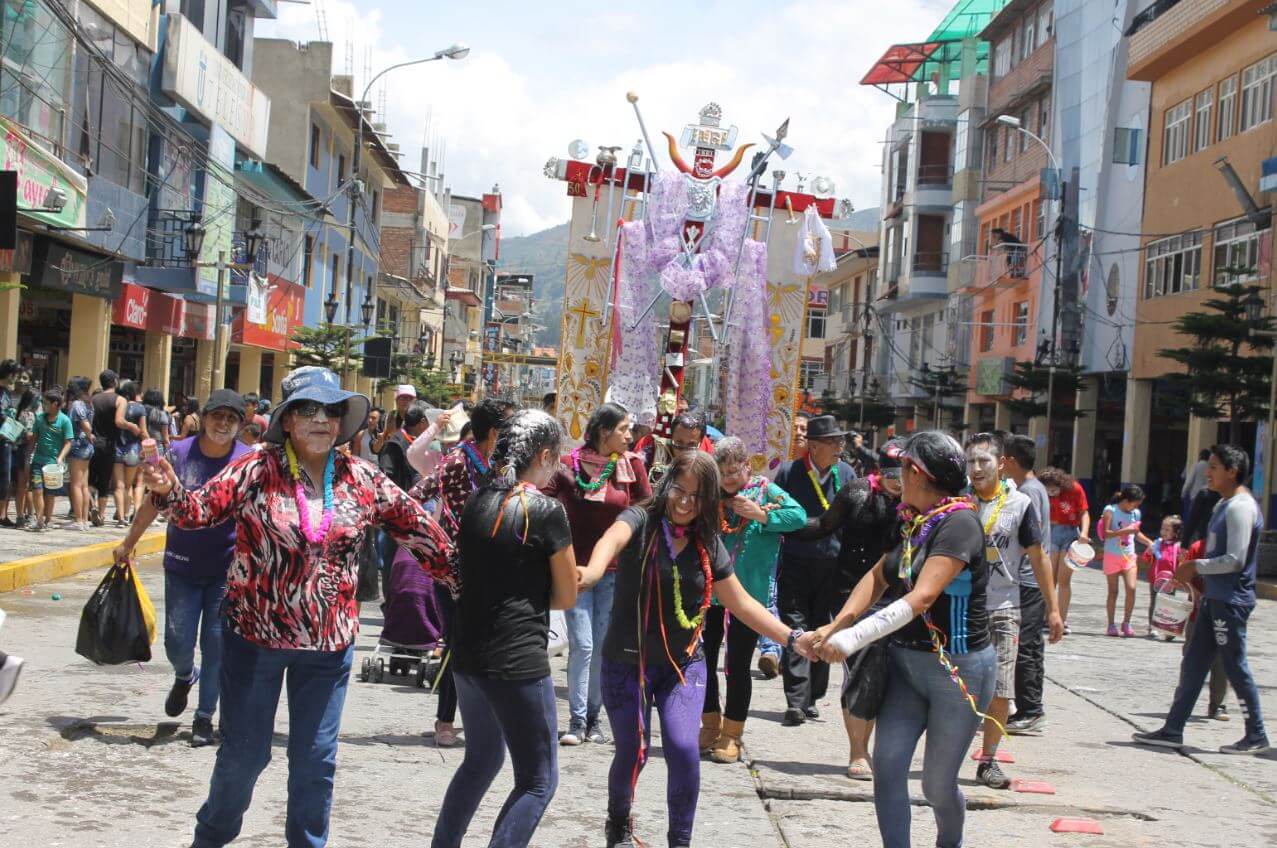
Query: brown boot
(711, 724)
(727, 748)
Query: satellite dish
(578, 149)
(822, 187)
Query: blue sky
(542, 74)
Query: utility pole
(1055, 315)
(219, 356)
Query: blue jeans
(921, 696)
(765, 645)
(1220, 629)
(587, 625)
(193, 608)
(499, 714)
(252, 677)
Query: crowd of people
(933, 571)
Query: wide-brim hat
(311, 382)
(823, 426)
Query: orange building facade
(1005, 297)
(1213, 69)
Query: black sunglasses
(310, 408)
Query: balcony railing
(935, 175)
(931, 262)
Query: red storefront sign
(141, 308)
(130, 308)
(273, 314)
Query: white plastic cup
(1079, 555)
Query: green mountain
(544, 255)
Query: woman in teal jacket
(753, 514)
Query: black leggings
(740, 654)
(446, 692)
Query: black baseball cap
(225, 399)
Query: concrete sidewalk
(28, 558)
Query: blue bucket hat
(311, 382)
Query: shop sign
(138, 18)
(219, 205)
(39, 172)
(18, 260)
(132, 306)
(456, 220)
(817, 298)
(273, 314)
(197, 321)
(199, 77)
(78, 272)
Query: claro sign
(199, 77)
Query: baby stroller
(411, 640)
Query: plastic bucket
(1170, 613)
(52, 474)
(1079, 555)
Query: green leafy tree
(431, 384)
(1032, 379)
(1226, 368)
(328, 347)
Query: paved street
(17, 544)
(87, 758)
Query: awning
(141, 308)
(900, 64)
(918, 61)
(465, 296)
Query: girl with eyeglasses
(672, 563)
(864, 515)
(301, 509)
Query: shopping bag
(117, 624)
(866, 682)
(558, 642)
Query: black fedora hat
(823, 427)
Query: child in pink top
(1162, 559)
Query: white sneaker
(9, 676)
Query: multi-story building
(1101, 121)
(474, 238)
(917, 321)
(314, 123)
(108, 155)
(410, 287)
(1212, 65)
(1009, 272)
(848, 327)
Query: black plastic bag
(866, 681)
(368, 582)
(118, 622)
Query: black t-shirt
(959, 613)
(104, 415)
(503, 615)
(629, 604)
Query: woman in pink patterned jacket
(300, 509)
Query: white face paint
(312, 438)
(983, 466)
(221, 426)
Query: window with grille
(1039, 219)
(816, 323)
(314, 146)
(1020, 317)
(1236, 252)
(1179, 120)
(1257, 93)
(1007, 145)
(1127, 144)
(1227, 108)
(1024, 137)
(1173, 265)
(1202, 118)
(1044, 118)
(1046, 17)
(986, 331)
(1028, 37)
(1002, 57)
(308, 257)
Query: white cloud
(802, 60)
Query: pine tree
(327, 346)
(1226, 368)
(1032, 380)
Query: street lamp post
(1014, 123)
(194, 243)
(355, 190)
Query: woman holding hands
(671, 563)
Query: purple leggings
(679, 707)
